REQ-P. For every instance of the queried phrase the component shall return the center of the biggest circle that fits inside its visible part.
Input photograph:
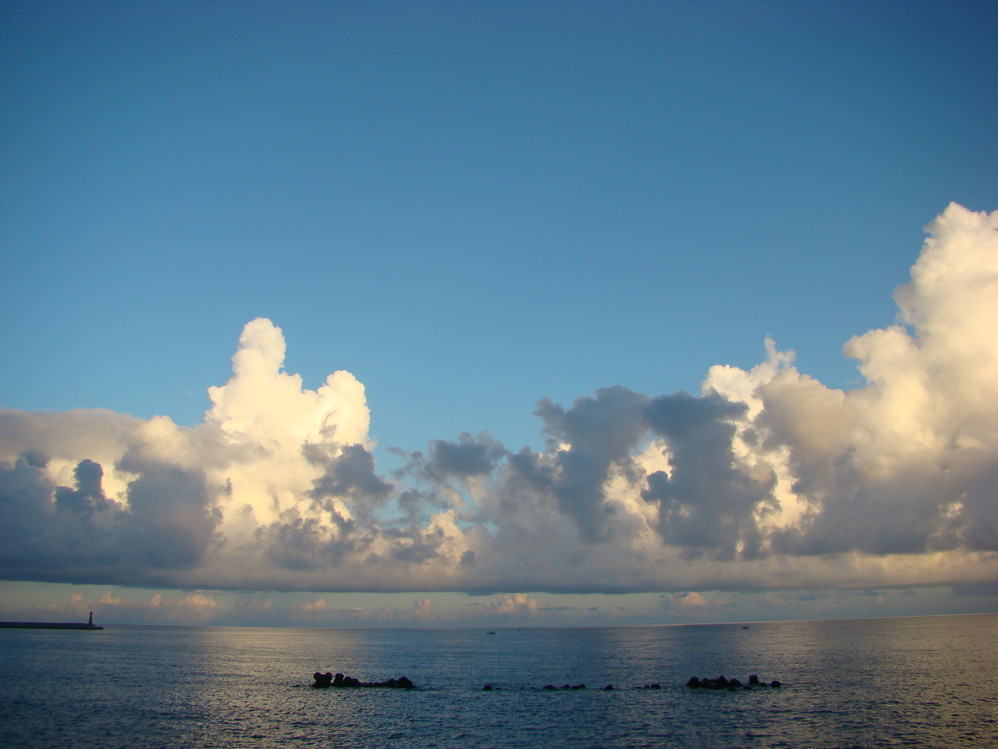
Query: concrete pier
(51, 625)
(47, 625)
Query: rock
(730, 684)
(403, 682)
(719, 683)
(608, 688)
(328, 680)
(322, 680)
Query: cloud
(519, 604)
(907, 463)
(689, 599)
(766, 479)
(423, 609)
(710, 501)
(466, 458)
(309, 609)
(189, 606)
(588, 442)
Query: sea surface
(922, 682)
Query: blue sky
(470, 207)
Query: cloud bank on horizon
(767, 479)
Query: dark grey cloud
(89, 494)
(172, 518)
(50, 532)
(412, 502)
(469, 456)
(601, 432)
(297, 544)
(77, 534)
(710, 502)
(349, 475)
(976, 490)
(415, 546)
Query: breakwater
(48, 625)
(51, 625)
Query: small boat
(745, 626)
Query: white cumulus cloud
(766, 479)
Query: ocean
(923, 682)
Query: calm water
(889, 682)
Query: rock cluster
(730, 684)
(323, 681)
(695, 682)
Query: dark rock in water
(322, 681)
(487, 688)
(730, 684)
(550, 686)
(719, 683)
(608, 688)
(402, 682)
(328, 680)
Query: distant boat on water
(51, 625)
(745, 626)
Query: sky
(486, 314)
